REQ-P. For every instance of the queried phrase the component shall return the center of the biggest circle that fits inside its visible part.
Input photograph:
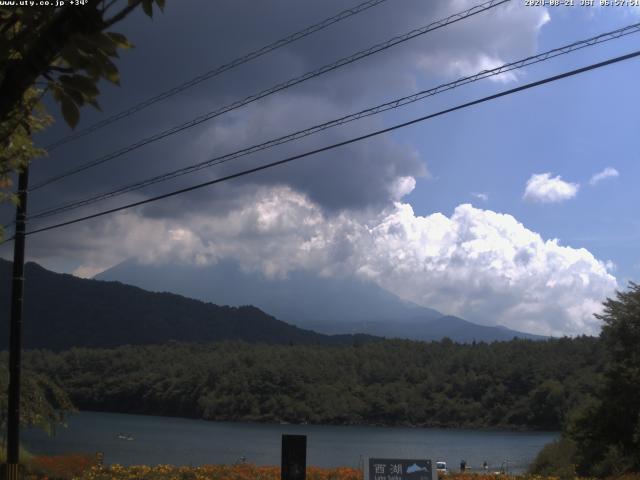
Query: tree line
(517, 384)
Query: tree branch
(10, 22)
(122, 14)
(109, 5)
(56, 68)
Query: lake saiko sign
(398, 469)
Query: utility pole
(12, 468)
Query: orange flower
(59, 466)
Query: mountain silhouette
(62, 311)
(330, 305)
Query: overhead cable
(276, 88)
(215, 72)
(503, 93)
(566, 49)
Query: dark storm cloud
(193, 36)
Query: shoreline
(488, 429)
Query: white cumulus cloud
(402, 186)
(541, 187)
(507, 33)
(608, 172)
(484, 265)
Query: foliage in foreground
(75, 468)
(68, 467)
(83, 467)
(64, 50)
(61, 467)
(601, 437)
(252, 472)
(607, 430)
(43, 404)
(556, 459)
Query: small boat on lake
(122, 436)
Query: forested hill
(517, 384)
(62, 311)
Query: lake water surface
(179, 441)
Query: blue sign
(399, 469)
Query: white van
(441, 468)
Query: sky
(520, 211)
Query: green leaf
(71, 55)
(93, 70)
(120, 40)
(56, 91)
(70, 111)
(75, 95)
(85, 44)
(94, 103)
(147, 6)
(160, 4)
(83, 84)
(110, 71)
(104, 43)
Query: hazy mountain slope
(326, 305)
(301, 298)
(62, 311)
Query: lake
(151, 440)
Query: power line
(345, 142)
(215, 72)
(277, 88)
(604, 37)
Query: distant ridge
(301, 298)
(326, 305)
(63, 311)
(435, 329)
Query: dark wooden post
(12, 469)
(294, 457)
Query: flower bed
(83, 467)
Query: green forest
(517, 384)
